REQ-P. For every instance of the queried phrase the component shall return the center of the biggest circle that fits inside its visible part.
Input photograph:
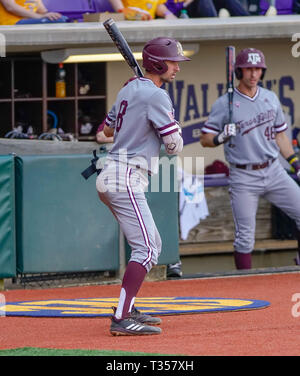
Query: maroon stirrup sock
(242, 260)
(133, 278)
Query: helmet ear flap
(239, 73)
(160, 67)
(153, 65)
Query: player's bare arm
(207, 140)
(284, 145)
(212, 139)
(109, 132)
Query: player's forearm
(287, 151)
(207, 140)
(109, 132)
(284, 145)
(101, 138)
(212, 139)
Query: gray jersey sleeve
(110, 119)
(217, 117)
(161, 113)
(280, 121)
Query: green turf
(36, 351)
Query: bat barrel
(122, 45)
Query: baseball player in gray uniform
(257, 134)
(141, 120)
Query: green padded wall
(7, 217)
(61, 224)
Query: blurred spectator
(100, 136)
(296, 6)
(208, 8)
(17, 12)
(142, 9)
(274, 7)
(272, 11)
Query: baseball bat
(230, 60)
(230, 57)
(122, 45)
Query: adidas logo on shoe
(131, 327)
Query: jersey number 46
(270, 133)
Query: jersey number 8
(122, 111)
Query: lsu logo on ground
(96, 307)
(2, 305)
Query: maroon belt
(255, 166)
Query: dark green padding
(7, 217)
(61, 224)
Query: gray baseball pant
(122, 190)
(247, 186)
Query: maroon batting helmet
(250, 58)
(157, 50)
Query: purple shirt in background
(175, 6)
(282, 6)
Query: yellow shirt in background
(7, 18)
(148, 5)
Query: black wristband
(216, 140)
(293, 157)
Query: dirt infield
(270, 331)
